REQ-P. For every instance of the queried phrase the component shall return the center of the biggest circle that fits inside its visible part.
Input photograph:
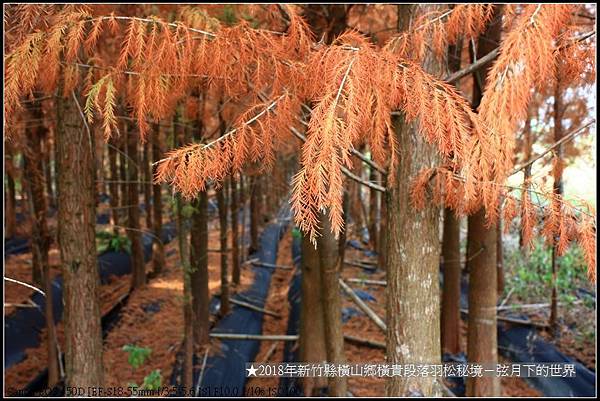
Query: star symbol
(251, 371)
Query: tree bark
(482, 342)
(158, 248)
(255, 213)
(222, 204)
(557, 188)
(312, 322)
(188, 328)
(199, 269)
(374, 211)
(329, 260)
(147, 176)
(40, 237)
(10, 218)
(125, 202)
(499, 258)
(242, 205)
(138, 271)
(76, 239)
(451, 254)
(113, 186)
(412, 260)
(451, 291)
(47, 152)
(235, 243)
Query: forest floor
(153, 318)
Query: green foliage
(228, 16)
(109, 241)
(137, 355)
(531, 276)
(296, 233)
(153, 380)
(188, 210)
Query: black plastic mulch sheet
(22, 328)
(225, 373)
(290, 386)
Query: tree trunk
(527, 153)
(412, 260)
(10, 217)
(138, 271)
(40, 237)
(451, 291)
(451, 253)
(113, 185)
(482, 346)
(199, 269)
(222, 204)
(499, 259)
(188, 329)
(255, 213)
(329, 260)
(482, 342)
(76, 239)
(158, 248)
(147, 168)
(235, 270)
(373, 211)
(312, 324)
(382, 237)
(47, 152)
(243, 198)
(125, 202)
(557, 188)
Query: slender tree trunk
(527, 152)
(356, 208)
(482, 342)
(188, 328)
(255, 213)
(76, 239)
(138, 271)
(482, 345)
(243, 198)
(557, 188)
(147, 168)
(499, 258)
(222, 204)
(235, 272)
(312, 324)
(113, 185)
(451, 291)
(343, 234)
(123, 161)
(47, 152)
(373, 211)
(199, 269)
(10, 217)
(382, 250)
(329, 260)
(451, 254)
(40, 237)
(158, 248)
(412, 260)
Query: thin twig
(370, 313)
(564, 139)
(260, 337)
(12, 280)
